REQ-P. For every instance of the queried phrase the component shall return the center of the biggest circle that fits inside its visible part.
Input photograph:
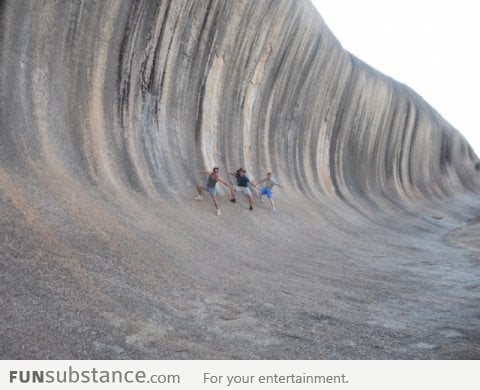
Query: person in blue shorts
(269, 182)
(210, 186)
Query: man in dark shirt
(242, 186)
(213, 178)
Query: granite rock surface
(107, 111)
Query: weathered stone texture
(107, 110)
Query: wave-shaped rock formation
(107, 111)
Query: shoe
(274, 209)
(218, 211)
(251, 208)
(199, 197)
(233, 200)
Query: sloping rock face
(108, 109)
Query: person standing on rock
(210, 186)
(267, 188)
(242, 186)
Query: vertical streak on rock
(100, 153)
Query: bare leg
(214, 200)
(271, 203)
(232, 193)
(200, 190)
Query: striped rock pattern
(108, 108)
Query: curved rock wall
(140, 94)
(107, 110)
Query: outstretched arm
(223, 182)
(275, 183)
(203, 172)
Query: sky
(431, 46)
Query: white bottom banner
(243, 374)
